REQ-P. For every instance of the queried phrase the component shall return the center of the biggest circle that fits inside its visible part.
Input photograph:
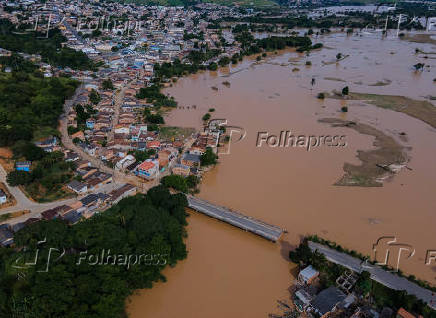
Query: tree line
(152, 225)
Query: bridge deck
(268, 231)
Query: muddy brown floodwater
(230, 273)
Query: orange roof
(404, 313)
(146, 165)
(153, 144)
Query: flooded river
(230, 273)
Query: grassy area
(169, 132)
(419, 38)
(8, 216)
(40, 194)
(388, 152)
(422, 110)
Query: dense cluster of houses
(149, 35)
(83, 208)
(335, 301)
(111, 134)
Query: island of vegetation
(377, 164)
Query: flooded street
(230, 273)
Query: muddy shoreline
(377, 164)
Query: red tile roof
(146, 165)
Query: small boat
(283, 304)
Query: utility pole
(399, 22)
(48, 26)
(36, 23)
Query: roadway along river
(230, 273)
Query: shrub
(345, 90)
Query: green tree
(209, 157)
(364, 282)
(16, 178)
(94, 97)
(175, 182)
(345, 90)
(107, 84)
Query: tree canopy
(50, 48)
(30, 105)
(152, 225)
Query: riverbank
(293, 187)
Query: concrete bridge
(268, 231)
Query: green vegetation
(275, 19)
(5, 217)
(344, 109)
(206, 117)
(304, 256)
(320, 96)
(153, 95)
(171, 132)
(94, 97)
(45, 182)
(107, 84)
(422, 110)
(380, 295)
(18, 64)
(142, 155)
(209, 157)
(180, 183)
(339, 248)
(50, 49)
(152, 226)
(345, 90)
(30, 105)
(83, 114)
(153, 118)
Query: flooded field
(230, 273)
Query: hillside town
(105, 133)
(88, 159)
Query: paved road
(260, 228)
(119, 99)
(24, 203)
(119, 178)
(378, 274)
